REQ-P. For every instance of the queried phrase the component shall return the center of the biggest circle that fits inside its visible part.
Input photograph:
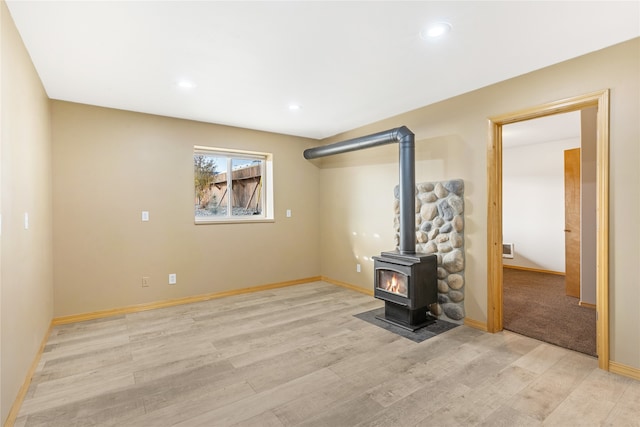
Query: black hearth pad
(429, 331)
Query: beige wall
(26, 285)
(451, 142)
(588, 201)
(110, 165)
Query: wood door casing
(599, 99)
(572, 221)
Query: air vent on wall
(507, 250)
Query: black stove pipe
(406, 140)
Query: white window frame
(266, 195)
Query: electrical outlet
(145, 216)
(358, 268)
(145, 281)
(172, 279)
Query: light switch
(288, 213)
(26, 220)
(145, 215)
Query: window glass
(231, 185)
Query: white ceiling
(347, 63)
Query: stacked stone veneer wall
(440, 231)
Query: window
(232, 185)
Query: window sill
(204, 221)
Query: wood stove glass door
(392, 281)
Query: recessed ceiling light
(186, 84)
(435, 30)
(295, 107)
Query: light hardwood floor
(296, 356)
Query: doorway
(542, 205)
(494, 214)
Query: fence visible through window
(230, 185)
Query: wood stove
(407, 281)
(408, 284)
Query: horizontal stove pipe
(406, 140)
